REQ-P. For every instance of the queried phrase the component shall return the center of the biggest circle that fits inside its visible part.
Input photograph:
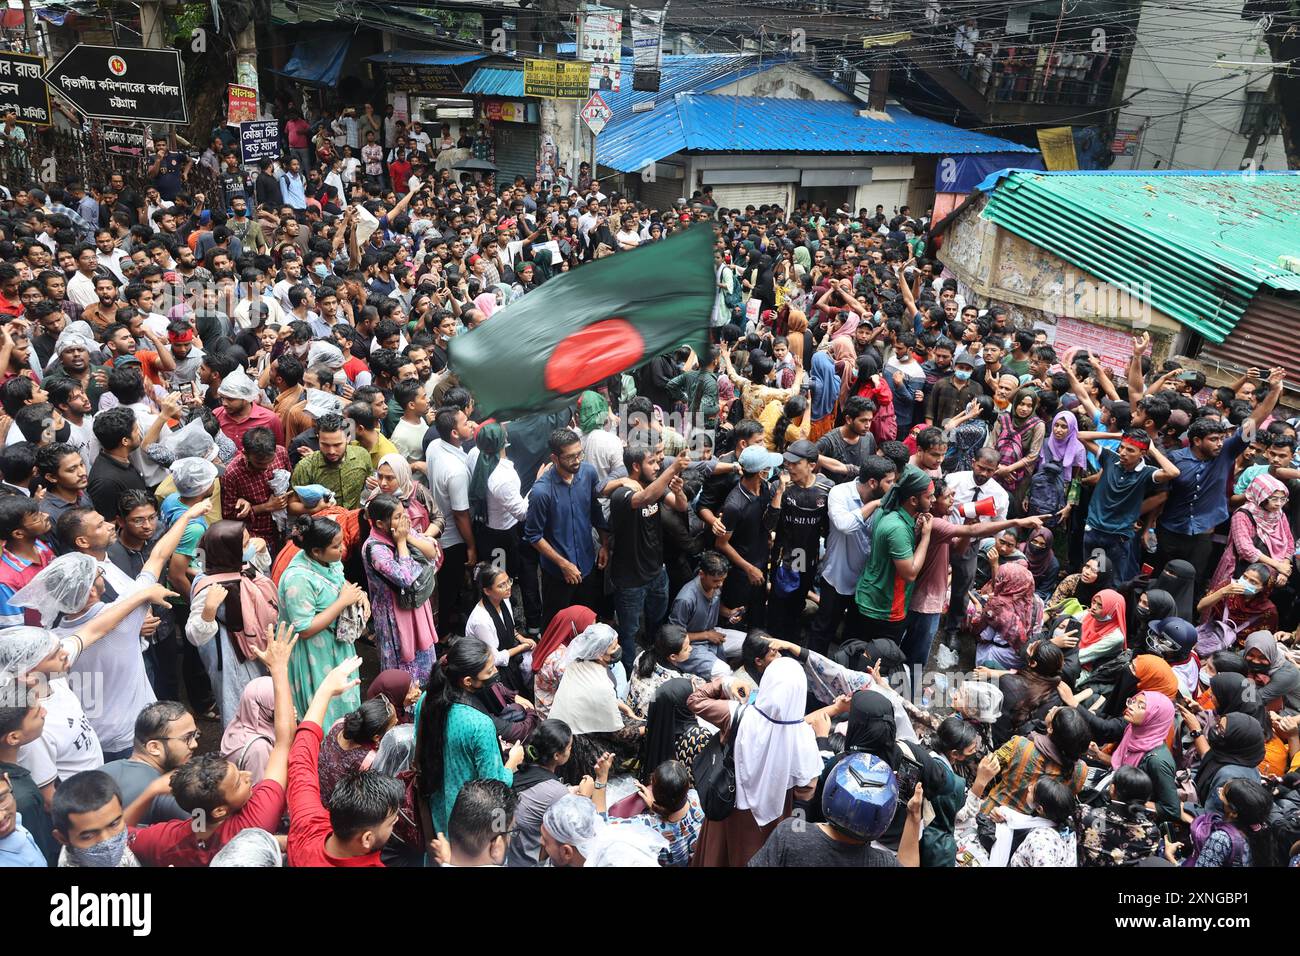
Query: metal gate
(516, 150)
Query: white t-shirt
(409, 439)
(110, 679)
(68, 744)
(449, 471)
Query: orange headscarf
(797, 323)
(1112, 604)
(1154, 673)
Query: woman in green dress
(313, 598)
(455, 739)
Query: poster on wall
(600, 41)
(1112, 346)
(241, 104)
(556, 79)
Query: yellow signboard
(557, 79)
(1057, 146)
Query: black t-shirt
(638, 540)
(803, 520)
(833, 445)
(716, 487)
(743, 517)
(809, 846)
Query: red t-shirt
(354, 367)
(309, 821)
(174, 843)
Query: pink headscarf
(486, 302)
(848, 327)
(255, 718)
(1140, 739)
(1272, 526)
(1012, 610)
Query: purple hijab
(1068, 451)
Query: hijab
(490, 440)
(1016, 399)
(254, 718)
(1240, 744)
(401, 471)
(826, 386)
(775, 749)
(223, 553)
(564, 627)
(1283, 676)
(1039, 560)
(1160, 605)
(1155, 674)
(667, 719)
(542, 268)
(393, 685)
(1092, 630)
(1230, 697)
(1271, 527)
(872, 726)
(1011, 610)
(486, 302)
(796, 326)
(1140, 739)
(593, 412)
(1178, 579)
(1068, 452)
(803, 258)
(1085, 592)
(585, 699)
(846, 330)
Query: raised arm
(103, 623)
(1269, 401)
(168, 543)
(280, 642)
(1136, 387)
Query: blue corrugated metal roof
(680, 74)
(497, 81)
(694, 121)
(426, 57)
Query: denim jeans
(1118, 547)
(921, 629)
(649, 601)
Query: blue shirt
(1117, 502)
(19, 848)
(293, 190)
(1198, 497)
(564, 513)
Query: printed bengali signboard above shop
(423, 78)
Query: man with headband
(1125, 482)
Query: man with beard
(103, 311)
(339, 465)
(73, 349)
(71, 401)
(165, 738)
(64, 473)
(112, 473)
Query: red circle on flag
(593, 353)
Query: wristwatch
(1197, 733)
(600, 786)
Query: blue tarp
(962, 173)
(318, 61)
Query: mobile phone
(187, 390)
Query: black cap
(801, 450)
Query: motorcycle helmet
(860, 796)
(1172, 638)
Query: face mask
(321, 271)
(961, 374)
(1206, 676)
(1257, 668)
(1246, 586)
(1101, 618)
(250, 553)
(104, 854)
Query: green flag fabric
(583, 326)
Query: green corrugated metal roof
(1205, 241)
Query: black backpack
(1046, 491)
(715, 772)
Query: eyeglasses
(191, 738)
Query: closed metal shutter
(660, 194)
(740, 195)
(516, 150)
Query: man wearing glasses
(563, 508)
(165, 738)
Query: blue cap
(310, 495)
(754, 459)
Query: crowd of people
(876, 579)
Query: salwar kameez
(308, 587)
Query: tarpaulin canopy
(319, 60)
(962, 173)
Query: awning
(318, 61)
(425, 57)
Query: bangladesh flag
(582, 326)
